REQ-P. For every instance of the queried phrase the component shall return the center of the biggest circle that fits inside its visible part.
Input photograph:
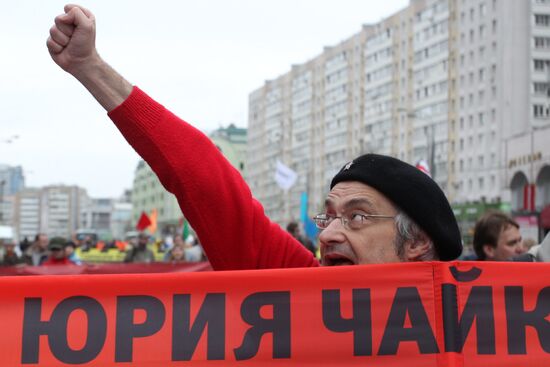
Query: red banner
(417, 314)
(106, 268)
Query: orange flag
(153, 218)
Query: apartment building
(12, 181)
(27, 210)
(96, 215)
(461, 84)
(54, 210)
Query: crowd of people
(61, 251)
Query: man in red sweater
(56, 247)
(379, 209)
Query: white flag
(285, 176)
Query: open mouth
(336, 260)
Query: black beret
(412, 191)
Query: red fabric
(545, 217)
(53, 261)
(110, 268)
(143, 222)
(419, 314)
(231, 225)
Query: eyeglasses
(352, 221)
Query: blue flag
(310, 228)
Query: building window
(542, 42)
(540, 111)
(541, 88)
(542, 20)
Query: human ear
(416, 249)
(489, 251)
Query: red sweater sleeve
(231, 225)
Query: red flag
(143, 222)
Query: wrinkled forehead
(354, 194)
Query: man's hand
(72, 46)
(72, 39)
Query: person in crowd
(537, 253)
(56, 249)
(10, 255)
(497, 237)
(193, 250)
(176, 254)
(24, 245)
(528, 243)
(294, 229)
(140, 253)
(37, 253)
(70, 253)
(378, 210)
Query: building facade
(12, 181)
(460, 84)
(55, 210)
(96, 215)
(27, 211)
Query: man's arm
(72, 46)
(230, 223)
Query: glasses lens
(321, 221)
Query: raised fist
(72, 39)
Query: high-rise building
(55, 210)
(61, 210)
(12, 180)
(462, 85)
(27, 213)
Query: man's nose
(333, 233)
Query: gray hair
(408, 230)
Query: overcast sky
(201, 59)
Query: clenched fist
(72, 39)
